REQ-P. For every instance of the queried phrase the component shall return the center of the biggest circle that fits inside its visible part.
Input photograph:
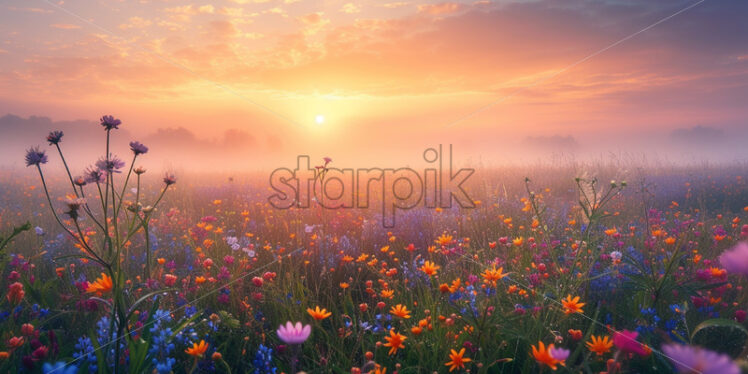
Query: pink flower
(735, 260)
(626, 341)
(294, 334)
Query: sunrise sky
(376, 80)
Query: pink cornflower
(294, 334)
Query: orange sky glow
(389, 78)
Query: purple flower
(111, 165)
(559, 353)
(54, 137)
(94, 175)
(689, 359)
(109, 122)
(735, 260)
(35, 157)
(294, 334)
(138, 148)
(170, 179)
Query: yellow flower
(444, 239)
(493, 275)
(401, 311)
(318, 314)
(394, 341)
(456, 361)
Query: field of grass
(574, 267)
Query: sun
(319, 119)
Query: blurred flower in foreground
(688, 359)
(626, 341)
(294, 334)
(59, 367)
(735, 259)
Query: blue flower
(59, 367)
(263, 361)
(138, 148)
(109, 122)
(54, 137)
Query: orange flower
(444, 239)
(543, 355)
(572, 305)
(429, 268)
(199, 279)
(670, 240)
(387, 294)
(344, 285)
(394, 341)
(4, 355)
(456, 361)
(318, 314)
(401, 311)
(416, 330)
(101, 285)
(599, 344)
(518, 241)
(493, 275)
(198, 349)
(15, 293)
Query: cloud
(439, 9)
(350, 8)
(64, 26)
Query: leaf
(727, 340)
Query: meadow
(616, 266)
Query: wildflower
(294, 334)
(318, 314)
(110, 165)
(401, 311)
(444, 239)
(59, 367)
(4, 355)
(735, 259)
(559, 354)
(216, 356)
(626, 341)
(15, 293)
(197, 349)
(73, 206)
(35, 157)
(394, 341)
(139, 170)
(493, 275)
(170, 179)
(429, 268)
(109, 122)
(138, 148)
(263, 361)
(572, 305)
(94, 175)
(54, 137)
(456, 361)
(518, 241)
(543, 355)
(101, 285)
(688, 359)
(599, 344)
(575, 334)
(170, 280)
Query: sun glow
(319, 119)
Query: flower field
(610, 267)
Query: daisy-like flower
(493, 275)
(394, 342)
(543, 355)
(109, 123)
(317, 313)
(101, 285)
(429, 268)
(401, 311)
(73, 206)
(294, 334)
(94, 175)
(197, 349)
(456, 361)
(35, 157)
(600, 344)
(444, 239)
(54, 137)
(572, 305)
